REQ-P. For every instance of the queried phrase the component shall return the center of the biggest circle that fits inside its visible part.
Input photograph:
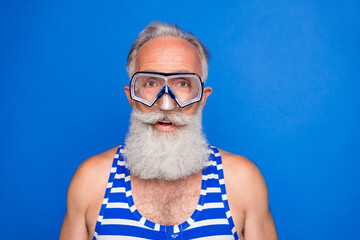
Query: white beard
(153, 154)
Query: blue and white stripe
(119, 219)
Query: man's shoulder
(96, 163)
(91, 177)
(237, 164)
(242, 175)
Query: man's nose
(166, 102)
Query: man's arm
(248, 198)
(259, 223)
(74, 225)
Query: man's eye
(150, 84)
(183, 84)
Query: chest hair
(166, 202)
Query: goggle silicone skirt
(148, 87)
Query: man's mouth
(165, 126)
(165, 123)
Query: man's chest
(167, 203)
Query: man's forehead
(168, 54)
(155, 68)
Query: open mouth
(165, 123)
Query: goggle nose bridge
(166, 89)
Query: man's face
(168, 55)
(166, 143)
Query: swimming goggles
(148, 87)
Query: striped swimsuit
(120, 220)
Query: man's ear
(127, 92)
(207, 92)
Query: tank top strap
(215, 162)
(117, 172)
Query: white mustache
(176, 118)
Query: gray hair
(159, 29)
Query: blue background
(285, 78)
